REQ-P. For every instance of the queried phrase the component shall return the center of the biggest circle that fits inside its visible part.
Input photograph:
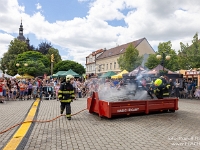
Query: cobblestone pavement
(11, 113)
(166, 131)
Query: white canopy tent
(4, 74)
(17, 75)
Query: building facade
(91, 61)
(107, 61)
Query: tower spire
(21, 36)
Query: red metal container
(110, 109)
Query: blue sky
(78, 27)
(54, 10)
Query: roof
(95, 52)
(136, 71)
(70, 72)
(157, 69)
(119, 49)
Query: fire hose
(40, 121)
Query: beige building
(91, 61)
(107, 61)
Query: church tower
(21, 36)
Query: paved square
(173, 131)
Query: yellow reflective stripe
(165, 93)
(68, 115)
(66, 101)
(59, 96)
(59, 91)
(66, 92)
(72, 92)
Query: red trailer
(110, 109)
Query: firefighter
(66, 96)
(150, 90)
(160, 85)
(166, 90)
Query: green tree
(152, 61)
(130, 59)
(37, 63)
(164, 49)
(189, 56)
(8, 61)
(44, 47)
(68, 64)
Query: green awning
(58, 73)
(108, 74)
(70, 72)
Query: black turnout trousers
(67, 106)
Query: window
(114, 65)
(110, 65)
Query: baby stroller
(83, 92)
(49, 93)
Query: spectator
(79, 91)
(1, 90)
(177, 86)
(197, 93)
(14, 92)
(190, 88)
(56, 89)
(30, 88)
(34, 90)
(171, 88)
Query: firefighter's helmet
(69, 77)
(157, 82)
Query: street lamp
(25, 64)
(163, 59)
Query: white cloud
(158, 21)
(38, 6)
(5, 40)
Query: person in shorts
(1, 91)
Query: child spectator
(14, 92)
(56, 89)
(79, 91)
(197, 93)
(34, 90)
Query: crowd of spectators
(26, 89)
(12, 89)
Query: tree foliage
(68, 64)
(164, 49)
(130, 59)
(189, 56)
(38, 64)
(8, 61)
(44, 47)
